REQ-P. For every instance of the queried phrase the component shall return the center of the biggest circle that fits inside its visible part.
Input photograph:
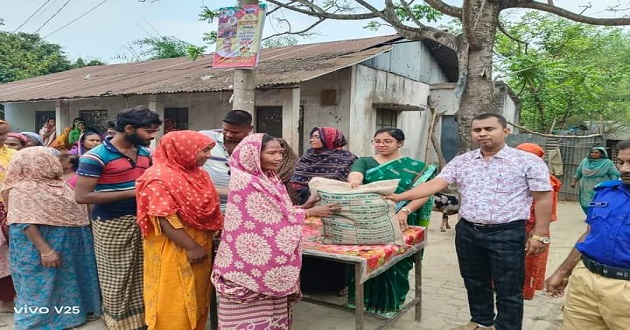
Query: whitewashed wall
(375, 86)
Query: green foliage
(80, 63)
(280, 41)
(161, 47)
(24, 55)
(422, 13)
(566, 71)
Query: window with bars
(386, 118)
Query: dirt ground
(444, 304)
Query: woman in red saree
(535, 265)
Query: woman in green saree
(386, 293)
(593, 170)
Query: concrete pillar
(245, 82)
(62, 115)
(291, 117)
(155, 103)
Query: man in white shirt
(237, 124)
(497, 185)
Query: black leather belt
(495, 227)
(606, 271)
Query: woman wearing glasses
(385, 294)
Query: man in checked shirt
(497, 185)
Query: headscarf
(20, 137)
(36, 193)
(62, 142)
(79, 150)
(331, 161)
(175, 184)
(285, 171)
(6, 154)
(75, 133)
(532, 148)
(596, 166)
(38, 139)
(556, 184)
(50, 130)
(260, 245)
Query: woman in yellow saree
(178, 214)
(386, 293)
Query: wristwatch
(543, 239)
(406, 210)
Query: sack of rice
(365, 217)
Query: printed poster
(238, 36)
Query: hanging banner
(238, 37)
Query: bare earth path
(444, 296)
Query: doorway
(41, 117)
(269, 120)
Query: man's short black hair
(623, 145)
(486, 115)
(238, 118)
(139, 117)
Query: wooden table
(368, 262)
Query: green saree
(386, 293)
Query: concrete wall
(21, 116)
(316, 114)
(375, 86)
(411, 60)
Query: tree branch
(278, 8)
(507, 34)
(314, 10)
(301, 32)
(445, 8)
(553, 135)
(388, 15)
(409, 12)
(569, 14)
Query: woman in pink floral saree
(257, 267)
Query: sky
(111, 25)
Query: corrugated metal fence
(572, 150)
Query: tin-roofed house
(357, 86)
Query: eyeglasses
(376, 142)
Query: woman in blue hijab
(593, 170)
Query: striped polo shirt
(115, 172)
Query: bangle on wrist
(48, 254)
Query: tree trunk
(479, 22)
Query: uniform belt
(495, 227)
(606, 271)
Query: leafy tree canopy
(161, 47)
(565, 72)
(24, 55)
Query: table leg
(214, 318)
(417, 258)
(358, 299)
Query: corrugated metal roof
(278, 66)
(446, 58)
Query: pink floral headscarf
(260, 244)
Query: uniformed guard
(598, 296)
